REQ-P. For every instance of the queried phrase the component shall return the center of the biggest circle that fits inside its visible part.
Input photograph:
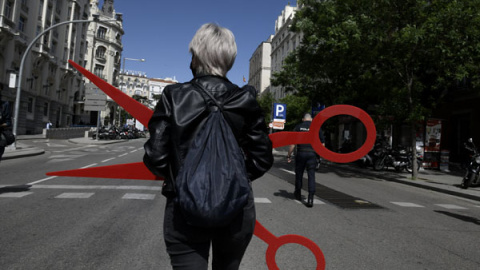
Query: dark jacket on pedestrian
(182, 111)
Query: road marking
(74, 195)
(450, 206)
(106, 160)
(285, 170)
(315, 201)
(262, 200)
(133, 151)
(98, 187)
(42, 180)
(15, 194)
(138, 196)
(73, 149)
(122, 155)
(407, 204)
(91, 165)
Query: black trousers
(189, 247)
(308, 161)
(2, 150)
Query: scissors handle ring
(342, 110)
(293, 239)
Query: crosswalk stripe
(74, 195)
(315, 201)
(407, 204)
(97, 187)
(138, 196)
(262, 200)
(15, 194)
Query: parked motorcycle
(471, 177)
(377, 151)
(102, 133)
(399, 158)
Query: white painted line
(315, 201)
(138, 196)
(106, 160)
(74, 195)
(42, 180)
(88, 166)
(285, 170)
(73, 149)
(133, 151)
(407, 204)
(15, 194)
(122, 155)
(450, 206)
(141, 148)
(98, 187)
(262, 200)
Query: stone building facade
(48, 83)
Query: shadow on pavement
(19, 188)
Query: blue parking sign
(279, 112)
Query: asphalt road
(358, 222)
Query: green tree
(401, 55)
(297, 106)
(265, 100)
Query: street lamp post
(20, 72)
(123, 71)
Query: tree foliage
(403, 56)
(265, 100)
(297, 106)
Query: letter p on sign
(279, 112)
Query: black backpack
(212, 186)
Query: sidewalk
(435, 180)
(25, 145)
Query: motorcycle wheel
(409, 167)
(467, 180)
(379, 164)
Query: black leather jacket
(181, 112)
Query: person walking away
(178, 117)
(5, 119)
(305, 158)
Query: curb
(29, 153)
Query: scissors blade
(134, 171)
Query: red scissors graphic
(138, 171)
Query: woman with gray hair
(178, 116)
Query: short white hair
(214, 49)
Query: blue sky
(160, 31)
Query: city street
(358, 221)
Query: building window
(100, 53)
(30, 105)
(21, 23)
(9, 9)
(102, 32)
(45, 109)
(99, 71)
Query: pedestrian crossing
(141, 194)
